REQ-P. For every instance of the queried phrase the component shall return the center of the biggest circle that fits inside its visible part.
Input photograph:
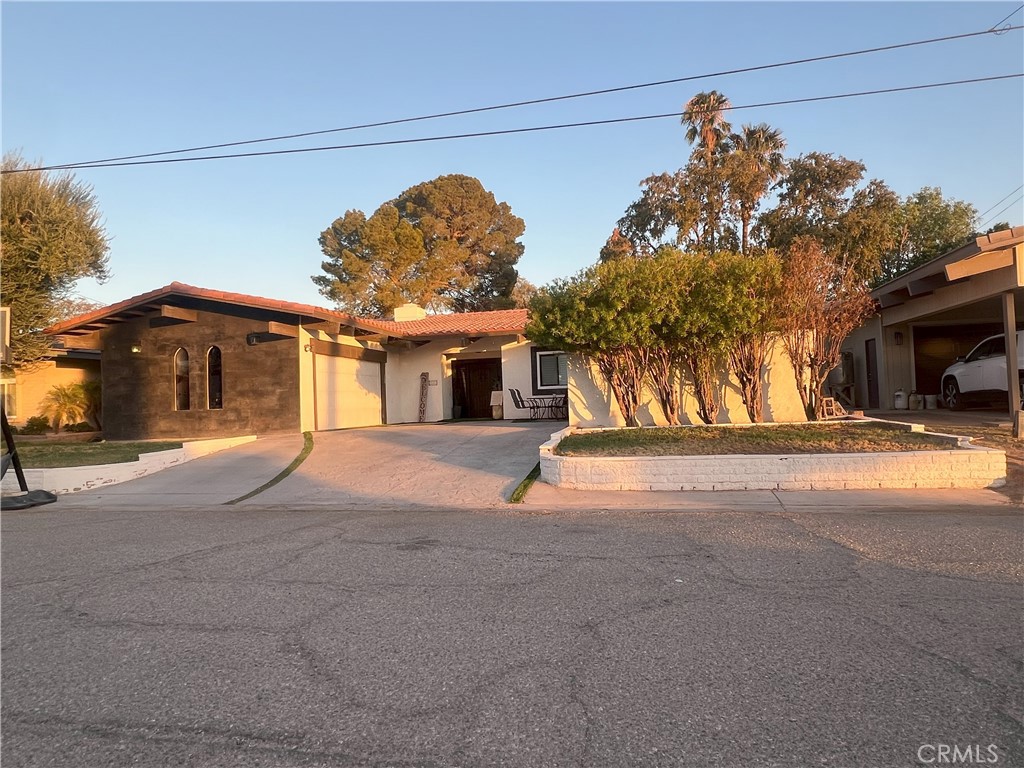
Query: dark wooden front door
(472, 384)
(871, 360)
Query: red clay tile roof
(511, 321)
(191, 291)
(466, 323)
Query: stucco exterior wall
(895, 361)
(260, 389)
(405, 366)
(403, 381)
(30, 387)
(591, 403)
(516, 374)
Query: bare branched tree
(824, 301)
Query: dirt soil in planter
(786, 438)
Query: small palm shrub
(64, 403)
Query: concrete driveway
(468, 464)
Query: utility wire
(509, 131)
(995, 27)
(1004, 210)
(1018, 189)
(547, 100)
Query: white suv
(981, 376)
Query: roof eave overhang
(462, 335)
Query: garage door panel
(348, 393)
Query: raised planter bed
(962, 465)
(63, 480)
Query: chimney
(408, 312)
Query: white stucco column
(1012, 379)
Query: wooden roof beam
(327, 326)
(170, 315)
(887, 300)
(976, 265)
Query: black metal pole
(12, 451)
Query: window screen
(552, 369)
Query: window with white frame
(10, 401)
(550, 371)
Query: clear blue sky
(85, 81)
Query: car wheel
(951, 394)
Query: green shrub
(82, 426)
(37, 425)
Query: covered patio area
(936, 313)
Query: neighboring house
(186, 361)
(24, 392)
(935, 313)
(591, 403)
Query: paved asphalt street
(271, 636)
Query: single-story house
(23, 393)
(187, 361)
(935, 313)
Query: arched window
(214, 380)
(181, 398)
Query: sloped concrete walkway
(206, 481)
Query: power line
(1007, 16)
(547, 100)
(1018, 189)
(510, 131)
(1004, 210)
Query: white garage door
(347, 393)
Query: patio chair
(532, 404)
(560, 407)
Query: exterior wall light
(136, 348)
(898, 338)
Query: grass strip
(307, 448)
(781, 439)
(519, 494)
(54, 455)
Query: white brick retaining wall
(63, 480)
(966, 466)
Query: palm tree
(755, 162)
(708, 130)
(706, 126)
(64, 403)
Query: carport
(937, 312)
